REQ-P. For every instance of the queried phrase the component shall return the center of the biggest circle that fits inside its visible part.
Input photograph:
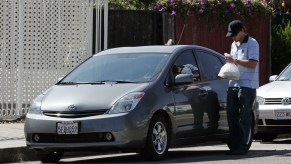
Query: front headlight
(35, 107)
(126, 103)
(260, 100)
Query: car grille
(273, 101)
(270, 122)
(72, 138)
(73, 114)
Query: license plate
(67, 127)
(282, 114)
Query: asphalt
(12, 144)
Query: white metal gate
(40, 41)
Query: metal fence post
(105, 24)
(101, 5)
(97, 42)
(20, 58)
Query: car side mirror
(184, 79)
(272, 78)
(59, 79)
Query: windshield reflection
(118, 68)
(286, 74)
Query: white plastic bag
(229, 71)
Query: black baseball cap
(234, 27)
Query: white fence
(40, 41)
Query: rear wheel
(48, 156)
(157, 143)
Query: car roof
(147, 49)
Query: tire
(157, 143)
(251, 136)
(49, 157)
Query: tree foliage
(281, 50)
(132, 4)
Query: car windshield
(285, 75)
(120, 68)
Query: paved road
(12, 142)
(278, 152)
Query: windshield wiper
(96, 82)
(76, 83)
(124, 81)
(116, 81)
(68, 83)
(285, 79)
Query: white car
(274, 106)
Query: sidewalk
(12, 144)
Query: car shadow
(183, 156)
(277, 141)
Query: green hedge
(281, 44)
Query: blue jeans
(239, 115)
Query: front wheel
(157, 143)
(49, 157)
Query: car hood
(86, 96)
(275, 89)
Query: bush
(281, 49)
(213, 10)
(131, 4)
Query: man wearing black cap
(242, 92)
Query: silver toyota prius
(141, 99)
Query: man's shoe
(237, 152)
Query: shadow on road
(185, 156)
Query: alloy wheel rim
(160, 138)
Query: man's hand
(245, 63)
(228, 58)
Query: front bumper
(268, 123)
(127, 132)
